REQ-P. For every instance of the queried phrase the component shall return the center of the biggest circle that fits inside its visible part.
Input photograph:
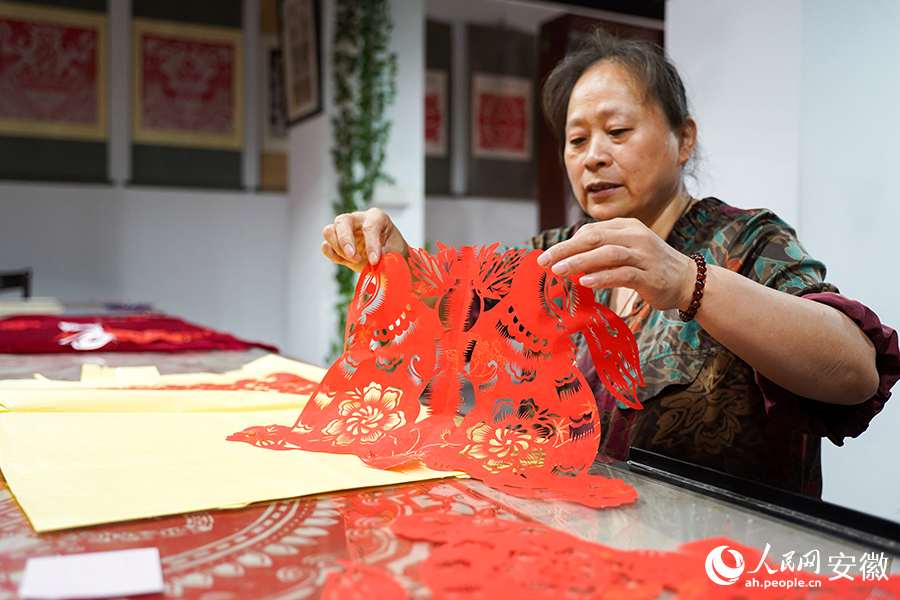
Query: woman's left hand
(625, 253)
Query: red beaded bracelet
(688, 315)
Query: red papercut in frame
(52, 72)
(501, 117)
(188, 85)
(436, 114)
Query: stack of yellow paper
(93, 451)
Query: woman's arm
(810, 349)
(806, 347)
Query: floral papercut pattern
(423, 329)
(504, 447)
(366, 418)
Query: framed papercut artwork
(52, 73)
(501, 116)
(188, 85)
(501, 109)
(302, 63)
(436, 113)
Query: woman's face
(622, 157)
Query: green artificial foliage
(364, 84)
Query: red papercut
(417, 330)
(359, 581)
(502, 122)
(48, 72)
(594, 491)
(283, 383)
(188, 84)
(498, 558)
(433, 119)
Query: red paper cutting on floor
(418, 330)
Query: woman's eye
(575, 141)
(617, 132)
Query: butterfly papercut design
(420, 329)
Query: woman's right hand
(360, 237)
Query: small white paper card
(92, 575)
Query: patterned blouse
(705, 405)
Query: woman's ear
(687, 139)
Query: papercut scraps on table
(268, 382)
(150, 332)
(418, 329)
(478, 557)
(360, 581)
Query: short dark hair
(646, 62)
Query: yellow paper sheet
(76, 469)
(74, 466)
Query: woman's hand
(806, 347)
(626, 253)
(360, 237)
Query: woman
(749, 358)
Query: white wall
(404, 200)
(849, 209)
(216, 258)
(795, 101)
(741, 65)
(212, 258)
(311, 324)
(474, 221)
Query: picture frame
(273, 113)
(436, 113)
(501, 117)
(73, 107)
(189, 83)
(273, 161)
(301, 46)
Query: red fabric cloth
(834, 421)
(146, 332)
